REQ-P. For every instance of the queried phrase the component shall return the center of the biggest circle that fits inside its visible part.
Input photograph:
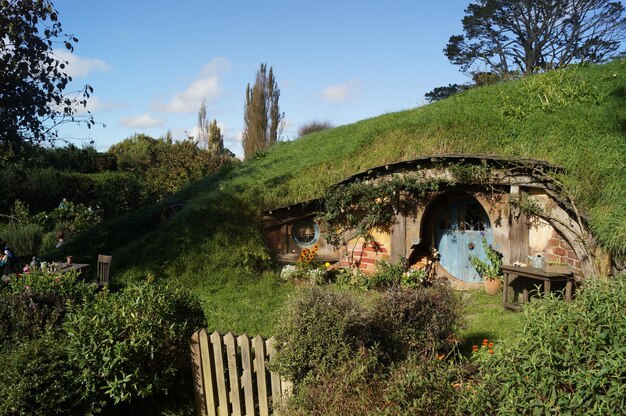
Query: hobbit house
(514, 204)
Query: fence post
(246, 378)
(261, 378)
(220, 374)
(233, 373)
(196, 368)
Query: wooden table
(513, 273)
(75, 266)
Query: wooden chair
(104, 266)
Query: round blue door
(458, 233)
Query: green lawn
(486, 318)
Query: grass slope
(574, 118)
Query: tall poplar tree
(209, 134)
(263, 120)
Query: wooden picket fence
(231, 377)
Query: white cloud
(80, 67)
(207, 85)
(216, 66)
(341, 92)
(189, 100)
(143, 121)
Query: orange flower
(456, 385)
(485, 341)
(440, 356)
(490, 345)
(475, 348)
(490, 351)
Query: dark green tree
(523, 36)
(33, 81)
(263, 120)
(440, 93)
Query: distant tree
(263, 120)
(33, 101)
(479, 79)
(209, 134)
(202, 138)
(523, 36)
(165, 165)
(440, 93)
(314, 126)
(216, 139)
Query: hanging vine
(365, 206)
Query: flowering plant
(486, 349)
(492, 268)
(308, 257)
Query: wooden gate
(231, 377)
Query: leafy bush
(132, 346)
(36, 378)
(386, 275)
(24, 239)
(420, 320)
(320, 329)
(569, 359)
(33, 302)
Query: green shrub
(320, 328)
(420, 320)
(569, 359)
(36, 378)
(363, 386)
(34, 302)
(24, 239)
(386, 275)
(422, 386)
(132, 346)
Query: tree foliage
(263, 120)
(521, 36)
(439, 93)
(166, 166)
(210, 136)
(33, 100)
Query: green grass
(486, 318)
(214, 245)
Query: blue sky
(152, 62)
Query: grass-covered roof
(573, 118)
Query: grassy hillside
(574, 118)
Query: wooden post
(398, 239)
(208, 374)
(274, 378)
(259, 368)
(246, 378)
(196, 367)
(233, 373)
(220, 375)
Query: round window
(305, 233)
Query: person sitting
(7, 259)
(61, 239)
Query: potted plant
(491, 270)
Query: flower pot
(492, 285)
